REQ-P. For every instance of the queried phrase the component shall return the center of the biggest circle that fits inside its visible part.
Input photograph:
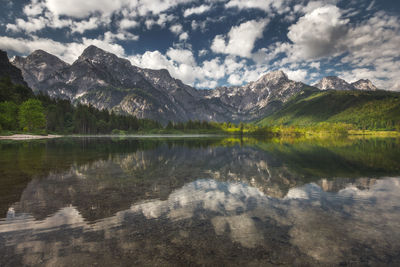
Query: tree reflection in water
(168, 202)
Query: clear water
(199, 201)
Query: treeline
(63, 117)
(189, 126)
(21, 110)
(323, 128)
(197, 126)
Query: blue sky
(218, 42)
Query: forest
(23, 111)
(311, 113)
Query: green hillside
(363, 109)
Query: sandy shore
(28, 137)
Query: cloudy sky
(218, 42)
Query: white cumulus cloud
(176, 29)
(319, 33)
(128, 24)
(240, 39)
(196, 10)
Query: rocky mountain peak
(39, 57)
(333, 83)
(41, 53)
(96, 55)
(38, 66)
(336, 83)
(333, 79)
(165, 72)
(274, 77)
(92, 51)
(364, 84)
(271, 80)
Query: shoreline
(52, 136)
(28, 137)
(351, 134)
(149, 135)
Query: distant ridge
(336, 83)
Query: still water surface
(204, 201)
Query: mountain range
(106, 81)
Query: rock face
(257, 98)
(8, 70)
(107, 81)
(333, 83)
(336, 83)
(364, 84)
(38, 66)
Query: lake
(199, 201)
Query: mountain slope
(106, 81)
(364, 109)
(258, 98)
(364, 84)
(38, 66)
(333, 83)
(10, 71)
(12, 85)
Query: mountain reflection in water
(206, 202)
